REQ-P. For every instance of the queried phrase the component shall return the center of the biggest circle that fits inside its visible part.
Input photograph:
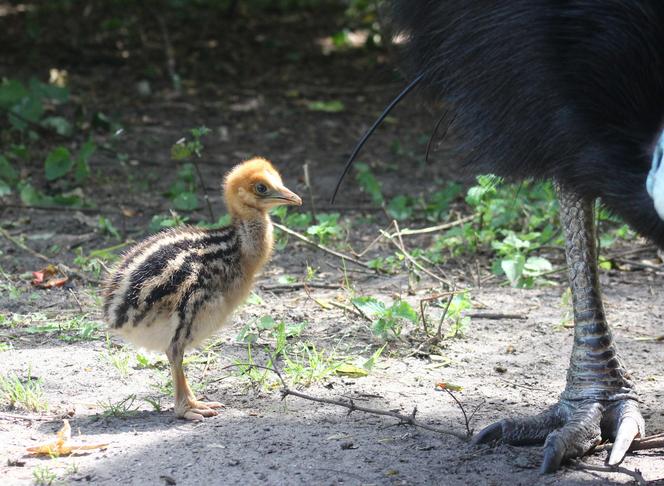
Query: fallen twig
(352, 407)
(635, 474)
(654, 441)
(634, 263)
(352, 310)
(298, 285)
(410, 258)
(433, 229)
(350, 404)
(495, 316)
(324, 248)
(61, 266)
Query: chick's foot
(194, 409)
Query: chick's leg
(186, 405)
(599, 400)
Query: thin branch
(413, 261)
(495, 316)
(205, 193)
(654, 441)
(350, 404)
(352, 407)
(298, 285)
(352, 310)
(337, 254)
(636, 474)
(170, 53)
(434, 229)
(61, 266)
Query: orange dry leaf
(47, 278)
(448, 386)
(60, 446)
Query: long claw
(489, 434)
(554, 453)
(628, 430)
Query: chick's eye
(261, 188)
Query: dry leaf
(448, 386)
(47, 277)
(60, 446)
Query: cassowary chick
(177, 287)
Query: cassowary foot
(196, 409)
(571, 429)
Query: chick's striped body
(182, 285)
(177, 287)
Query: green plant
(328, 228)
(118, 358)
(388, 321)
(161, 221)
(183, 192)
(106, 226)
(122, 409)
(43, 476)
(27, 394)
(458, 322)
(368, 182)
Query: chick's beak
(289, 197)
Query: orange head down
(253, 187)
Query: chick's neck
(255, 232)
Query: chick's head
(256, 186)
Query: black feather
(571, 90)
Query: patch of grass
(26, 394)
(122, 409)
(302, 362)
(43, 476)
(154, 402)
(71, 329)
(118, 358)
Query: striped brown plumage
(179, 286)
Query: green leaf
(58, 163)
(403, 310)
(513, 269)
(181, 151)
(369, 306)
(32, 197)
(7, 172)
(11, 92)
(185, 201)
(351, 370)
(334, 106)
(28, 108)
(49, 91)
(369, 183)
(371, 362)
(5, 190)
(400, 208)
(266, 322)
(58, 124)
(535, 266)
(82, 170)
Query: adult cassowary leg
(599, 400)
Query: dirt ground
(253, 92)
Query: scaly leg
(186, 405)
(599, 400)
